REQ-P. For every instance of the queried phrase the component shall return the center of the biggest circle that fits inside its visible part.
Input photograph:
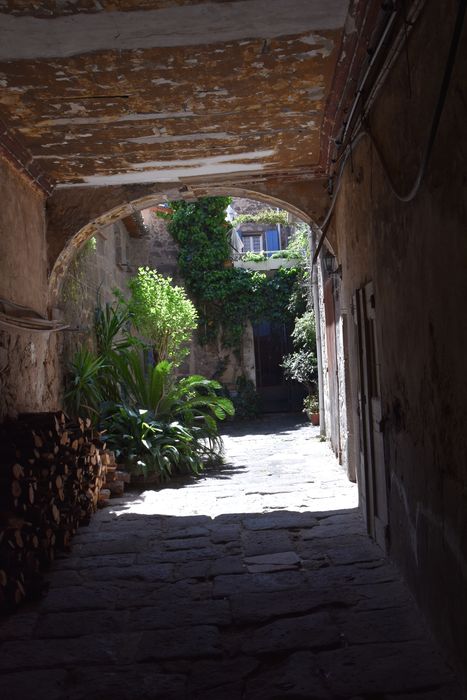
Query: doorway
(276, 394)
(373, 489)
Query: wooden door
(372, 466)
(330, 317)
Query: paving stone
(179, 556)
(281, 561)
(221, 673)
(222, 534)
(18, 626)
(193, 642)
(274, 521)
(69, 577)
(94, 562)
(315, 631)
(138, 572)
(89, 649)
(115, 546)
(81, 598)
(227, 565)
(84, 622)
(188, 533)
(298, 677)
(256, 607)
(193, 569)
(166, 615)
(402, 624)
(192, 543)
(37, 685)
(388, 668)
(266, 542)
(447, 692)
(247, 583)
(141, 681)
(143, 593)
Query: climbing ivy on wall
(226, 297)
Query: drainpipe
(316, 307)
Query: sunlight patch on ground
(264, 473)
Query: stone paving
(257, 582)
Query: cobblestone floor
(256, 582)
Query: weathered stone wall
(101, 265)
(416, 254)
(28, 360)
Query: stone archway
(74, 218)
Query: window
(252, 244)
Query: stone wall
(416, 255)
(29, 378)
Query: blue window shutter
(272, 240)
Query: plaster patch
(114, 119)
(325, 45)
(200, 136)
(173, 171)
(207, 23)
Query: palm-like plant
(156, 423)
(84, 392)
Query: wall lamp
(330, 265)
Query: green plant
(302, 365)
(285, 254)
(148, 446)
(254, 257)
(265, 216)
(226, 298)
(111, 326)
(311, 404)
(180, 416)
(84, 392)
(304, 332)
(246, 399)
(162, 313)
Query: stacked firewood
(115, 478)
(51, 475)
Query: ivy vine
(227, 297)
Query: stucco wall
(29, 360)
(23, 260)
(416, 254)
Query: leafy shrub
(302, 365)
(148, 446)
(246, 400)
(84, 394)
(254, 257)
(158, 425)
(162, 313)
(266, 216)
(311, 404)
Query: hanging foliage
(226, 297)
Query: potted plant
(311, 408)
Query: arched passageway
(349, 107)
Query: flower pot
(314, 417)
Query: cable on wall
(412, 193)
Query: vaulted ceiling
(103, 92)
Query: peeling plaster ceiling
(169, 90)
